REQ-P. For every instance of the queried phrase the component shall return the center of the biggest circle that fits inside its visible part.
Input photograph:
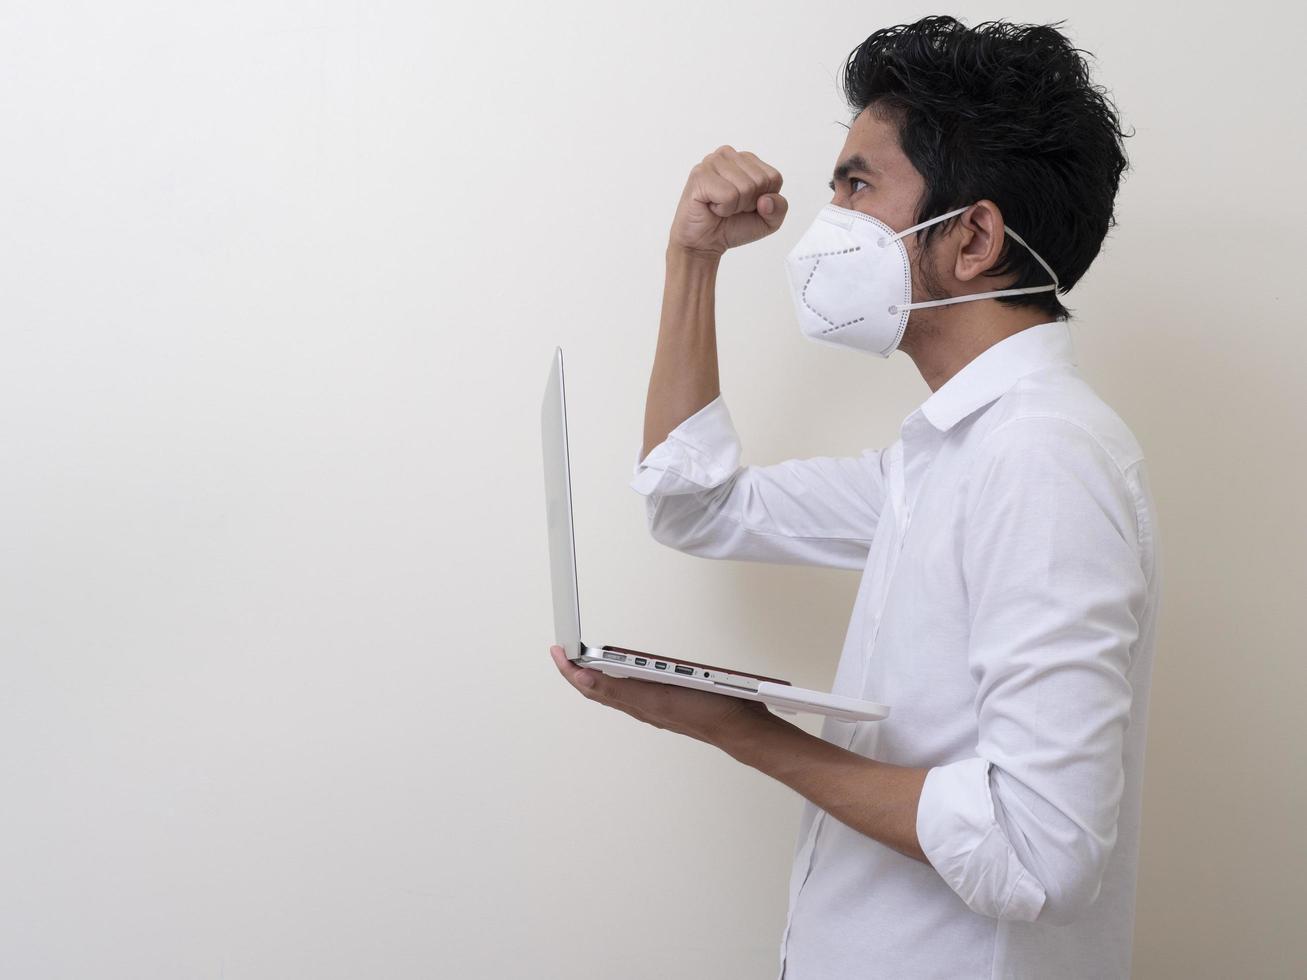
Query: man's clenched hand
(731, 198)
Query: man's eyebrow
(856, 163)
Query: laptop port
(660, 665)
(684, 670)
(641, 662)
(615, 656)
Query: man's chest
(907, 639)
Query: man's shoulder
(1057, 407)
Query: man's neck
(944, 344)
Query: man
(989, 827)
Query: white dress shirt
(1006, 612)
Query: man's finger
(720, 195)
(746, 188)
(765, 177)
(591, 683)
(565, 667)
(773, 208)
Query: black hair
(1006, 112)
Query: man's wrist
(692, 258)
(746, 737)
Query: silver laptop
(623, 661)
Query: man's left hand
(711, 718)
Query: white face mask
(852, 282)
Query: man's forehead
(872, 147)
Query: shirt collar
(996, 369)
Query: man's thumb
(772, 208)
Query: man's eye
(852, 181)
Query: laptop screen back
(558, 507)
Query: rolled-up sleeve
(1055, 587)
(700, 499)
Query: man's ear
(980, 241)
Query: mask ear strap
(1056, 284)
(925, 224)
(895, 310)
(1038, 258)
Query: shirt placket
(900, 499)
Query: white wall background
(279, 281)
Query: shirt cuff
(963, 841)
(700, 453)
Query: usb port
(684, 670)
(660, 665)
(641, 662)
(615, 656)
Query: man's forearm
(874, 798)
(684, 377)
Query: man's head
(1003, 116)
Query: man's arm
(874, 798)
(730, 199)
(699, 498)
(1024, 829)
(684, 377)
